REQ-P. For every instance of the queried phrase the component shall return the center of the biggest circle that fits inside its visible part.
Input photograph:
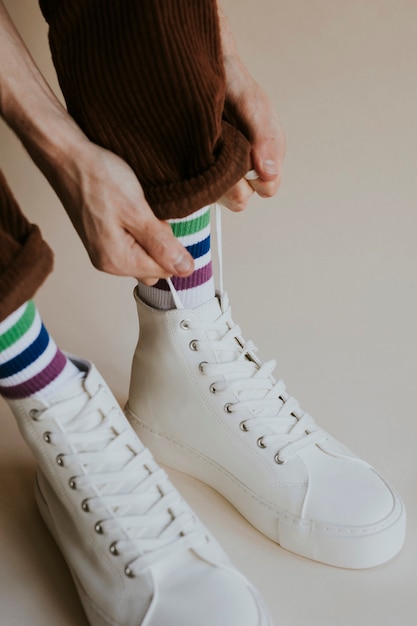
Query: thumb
(267, 164)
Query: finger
(268, 152)
(265, 188)
(262, 188)
(237, 197)
(128, 258)
(155, 237)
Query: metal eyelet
(129, 572)
(201, 366)
(278, 460)
(84, 506)
(193, 345)
(213, 388)
(185, 324)
(228, 407)
(113, 549)
(60, 460)
(260, 442)
(72, 483)
(98, 528)
(33, 414)
(243, 427)
(47, 437)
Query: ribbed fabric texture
(25, 259)
(194, 234)
(30, 362)
(145, 79)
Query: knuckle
(238, 207)
(158, 239)
(103, 263)
(238, 197)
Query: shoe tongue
(70, 389)
(210, 311)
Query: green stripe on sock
(22, 325)
(189, 227)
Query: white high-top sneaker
(206, 405)
(137, 553)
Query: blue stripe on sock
(28, 356)
(200, 248)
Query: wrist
(51, 137)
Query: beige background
(322, 278)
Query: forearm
(29, 106)
(237, 75)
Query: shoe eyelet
(98, 528)
(213, 388)
(260, 443)
(243, 427)
(84, 506)
(72, 483)
(113, 549)
(228, 407)
(278, 461)
(185, 324)
(47, 437)
(193, 345)
(201, 366)
(129, 572)
(60, 460)
(33, 414)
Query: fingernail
(183, 263)
(270, 166)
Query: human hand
(100, 192)
(253, 114)
(106, 204)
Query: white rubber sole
(346, 547)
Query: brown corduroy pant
(25, 258)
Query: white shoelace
(274, 415)
(127, 493)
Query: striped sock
(30, 362)
(194, 233)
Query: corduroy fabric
(25, 258)
(145, 79)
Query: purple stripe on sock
(37, 382)
(197, 278)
